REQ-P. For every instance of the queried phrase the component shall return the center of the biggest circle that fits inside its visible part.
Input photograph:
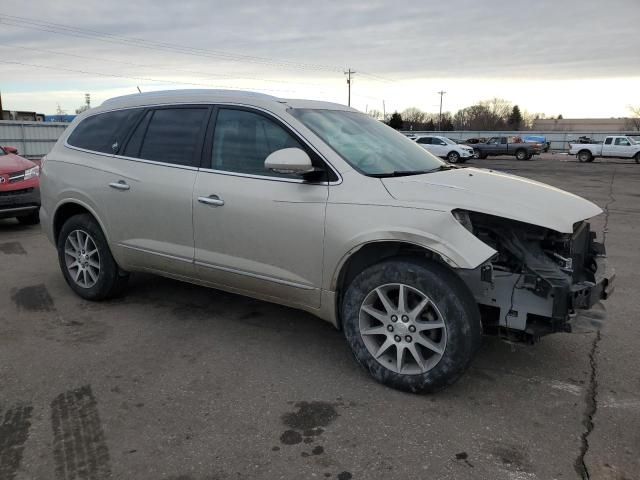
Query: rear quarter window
(102, 132)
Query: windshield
(368, 145)
(449, 141)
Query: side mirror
(13, 150)
(289, 160)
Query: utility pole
(348, 73)
(441, 93)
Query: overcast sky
(577, 58)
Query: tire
(32, 219)
(98, 275)
(637, 157)
(476, 153)
(585, 156)
(452, 306)
(453, 157)
(521, 154)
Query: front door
(256, 231)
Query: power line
(172, 69)
(61, 29)
(146, 79)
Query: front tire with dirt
(411, 323)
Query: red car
(19, 187)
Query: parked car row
(19, 187)
(455, 152)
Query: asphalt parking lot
(175, 381)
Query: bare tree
(633, 123)
(413, 115)
(377, 114)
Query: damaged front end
(539, 279)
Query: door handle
(214, 200)
(120, 185)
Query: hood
(11, 163)
(494, 193)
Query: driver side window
(243, 140)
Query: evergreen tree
(396, 121)
(515, 118)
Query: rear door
(149, 189)
(426, 143)
(256, 231)
(439, 147)
(608, 148)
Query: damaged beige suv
(319, 207)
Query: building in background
(583, 125)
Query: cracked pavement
(174, 381)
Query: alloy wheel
(402, 329)
(82, 258)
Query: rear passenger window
(424, 140)
(243, 140)
(102, 132)
(608, 141)
(169, 135)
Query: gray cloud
(461, 38)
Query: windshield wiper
(406, 173)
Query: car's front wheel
(413, 324)
(86, 261)
(453, 157)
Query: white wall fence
(559, 140)
(32, 139)
(36, 139)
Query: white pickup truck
(614, 146)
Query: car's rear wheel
(521, 154)
(86, 261)
(637, 157)
(32, 219)
(413, 324)
(453, 157)
(585, 156)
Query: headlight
(462, 216)
(31, 173)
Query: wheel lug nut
(390, 328)
(405, 318)
(394, 318)
(408, 338)
(397, 338)
(412, 328)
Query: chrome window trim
(218, 267)
(209, 170)
(255, 275)
(154, 252)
